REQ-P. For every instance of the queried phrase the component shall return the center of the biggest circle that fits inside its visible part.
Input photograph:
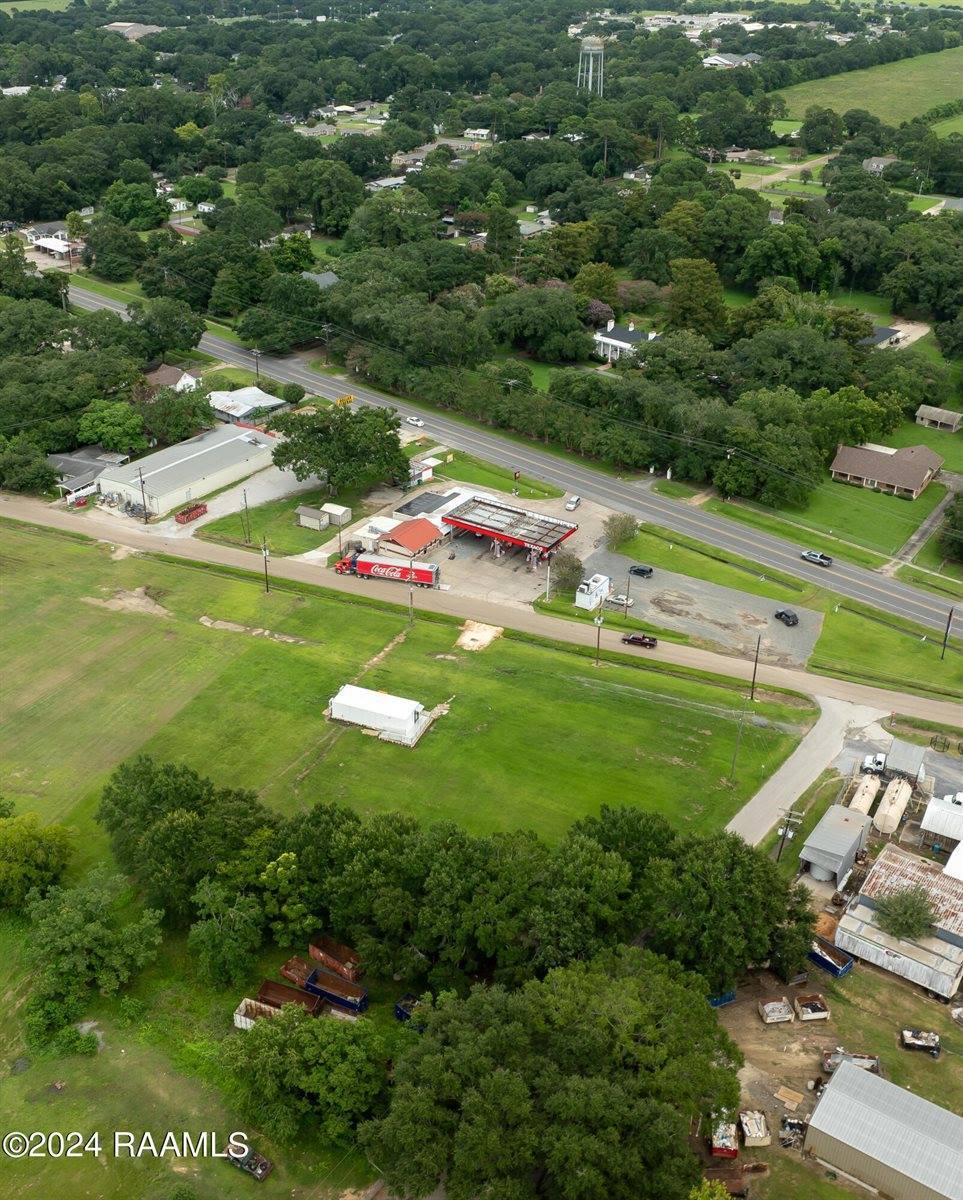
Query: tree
(502, 228)
(567, 571)
(293, 1071)
(117, 425)
(88, 937)
(553, 1089)
(166, 326)
(697, 300)
(906, 914)
(333, 192)
(544, 322)
(617, 528)
(951, 535)
(112, 250)
(24, 466)
(228, 933)
(293, 253)
(351, 449)
(135, 205)
(170, 416)
(32, 855)
(390, 219)
(949, 334)
(709, 1189)
(821, 129)
(596, 281)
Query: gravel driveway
(720, 615)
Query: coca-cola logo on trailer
(386, 572)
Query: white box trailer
(249, 1011)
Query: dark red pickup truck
(640, 639)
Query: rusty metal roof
(895, 871)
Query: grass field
(812, 804)
(931, 557)
(880, 522)
(465, 468)
(674, 489)
(276, 522)
(948, 445)
(11, 6)
(950, 125)
(895, 91)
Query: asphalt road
(852, 582)
(110, 528)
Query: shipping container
(249, 1011)
(337, 990)
(279, 994)
(831, 958)
(335, 956)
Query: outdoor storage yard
(240, 696)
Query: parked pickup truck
(640, 639)
(249, 1161)
(921, 1039)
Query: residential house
(18, 90)
(938, 418)
(78, 470)
(46, 230)
(386, 183)
(177, 204)
(206, 206)
(321, 279)
(619, 341)
(878, 164)
(243, 404)
(639, 174)
(882, 335)
(478, 135)
(540, 224)
(905, 472)
(729, 62)
(171, 377)
(776, 216)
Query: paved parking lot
(723, 616)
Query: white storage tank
(892, 806)
(865, 793)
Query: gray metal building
(886, 1138)
(831, 848)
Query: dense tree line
(433, 904)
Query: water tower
(591, 65)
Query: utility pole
(247, 521)
(266, 553)
(257, 364)
(755, 668)
(946, 632)
(790, 819)
(628, 585)
(599, 622)
(143, 497)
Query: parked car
(874, 764)
(640, 639)
(817, 557)
(572, 503)
(620, 601)
(642, 571)
(788, 617)
(416, 421)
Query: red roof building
(411, 537)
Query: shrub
(905, 914)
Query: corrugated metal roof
(189, 462)
(905, 758)
(944, 816)
(895, 871)
(904, 1132)
(837, 832)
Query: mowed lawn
(895, 91)
(86, 687)
(277, 522)
(949, 446)
(876, 520)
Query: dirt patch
(251, 631)
(137, 601)
(119, 553)
(446, 657)
(382, 654)
(476, 636)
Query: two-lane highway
(851, 582)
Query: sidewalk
(818, 750)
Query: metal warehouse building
(886, 1138)
(173, 477)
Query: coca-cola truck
(371, 566)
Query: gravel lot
(945, 769)
(723, 616)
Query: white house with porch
(618, 341)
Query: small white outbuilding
(394, 718)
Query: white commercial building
(173, 477)
(395, 718)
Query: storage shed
(887, 1138)
(311, 518)
(395, 718)
(831, 848)
(191, 469)
(943, 819)
(906, 759)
